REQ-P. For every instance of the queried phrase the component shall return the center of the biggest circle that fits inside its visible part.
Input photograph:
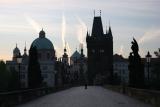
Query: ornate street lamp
(148, 58)
(19, 61)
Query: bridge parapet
(145, 95)
(12, 98)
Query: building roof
(119, 58)
(76, 55)
(97, 29)
(42, 42)
(16, 51)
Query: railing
(8, 99)
(148, 96)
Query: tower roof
(97, 29)
(16, 50)
(76, 55)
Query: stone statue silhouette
(134, 47)
(136, 69)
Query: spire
(87, 33)
(100, 12)
(42, 34)
(76, 48)
(25, 50)
(65, 50)
(81, 46)
(94, 13)
(106, 29)
(110, 31)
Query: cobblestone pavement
(94, 96)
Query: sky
(67, 21)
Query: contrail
(82, 30)
(33, 23)
(148, 36)
(69, 52)
(63, 30)
(69, 49)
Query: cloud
(149, 36)
(121, 51)
(13, 1)
(33, 23)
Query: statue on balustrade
(136, 68)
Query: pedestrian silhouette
(85, 86)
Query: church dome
(42, 42)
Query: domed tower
(25, 56)
(46, 57)
(65, 56)
(16, 53)
(44, 47)
(25, 51)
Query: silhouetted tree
(14, 81)
(34, 71)
(4, 77)
(156, 71)
(136, 68)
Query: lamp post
(148, 58)
(19, 61)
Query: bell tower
(100, 53)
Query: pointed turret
(81, 46)
(65, 50)
(25, 49)
(106, 30)
(110, 31)
(87, 34)
(65, 56)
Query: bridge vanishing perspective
(94, 96)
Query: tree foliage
(13, 81)
(4, 76)
(156, 71)
(34, 71)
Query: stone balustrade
(145, 95)
(9, 99)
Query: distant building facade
(46, 57)
(120, 68)
(100, 53)
(14, 66)
(74, 72)
(78, 67)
